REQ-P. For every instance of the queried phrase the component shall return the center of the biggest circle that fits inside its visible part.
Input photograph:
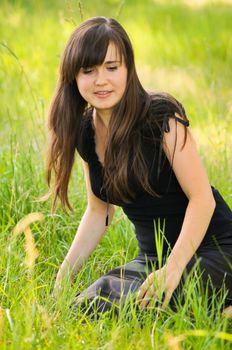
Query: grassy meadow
(183, 47)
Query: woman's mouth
(102, 93)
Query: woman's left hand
(162, 281)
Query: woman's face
(102, 86)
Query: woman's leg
(113, 287)
(214, 266)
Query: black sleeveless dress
(151, 215)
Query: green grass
(179, 48)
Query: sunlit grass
(180, 48)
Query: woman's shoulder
(164, 106)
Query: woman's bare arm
(194, 182)
(192, 177)
(89, 233)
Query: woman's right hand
(57, 285)
(63, 274)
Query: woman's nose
(101, 78)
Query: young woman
(138, 153)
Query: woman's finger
(140, 293)
(148, 296)
(145, 301)
(143, 288)
(167, 299)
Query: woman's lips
(102, 94)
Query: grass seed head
(30, 248)
(26, 221)
(172, 341)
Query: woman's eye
(112, 68)
(87, 70)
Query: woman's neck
(101, 117)
(101, 135)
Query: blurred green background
(184, 47)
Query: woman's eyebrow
(108, 62)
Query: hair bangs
(94, 47)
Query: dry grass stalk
(30, 248)
(44, 316)
(172, 341)
(26, 221)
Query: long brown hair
(87, 47)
